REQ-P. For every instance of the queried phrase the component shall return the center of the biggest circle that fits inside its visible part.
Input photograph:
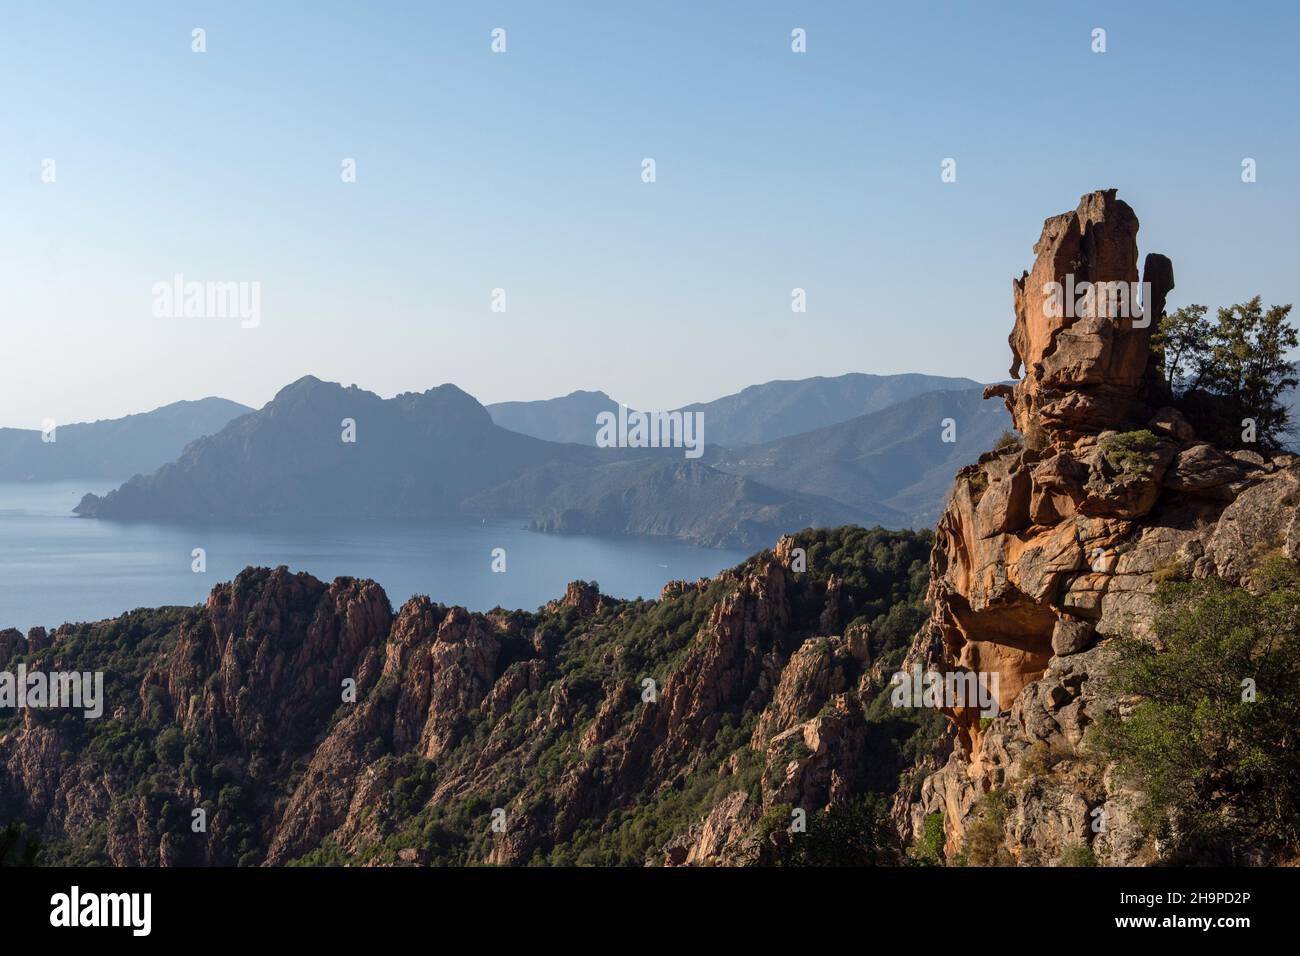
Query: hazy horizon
(256, 406)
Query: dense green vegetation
(859, 834)
(1212, 743)
(1222, 373)
(140, 750)
(886, 573)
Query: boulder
(1071, 635)
(1170, 421)
(1202, 470)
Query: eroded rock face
(445, 664)
(1083, 349)
(272, 647)
(1050, 547)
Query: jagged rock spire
(1083, 325)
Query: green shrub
(1040, 760)
(1130, 452)
(1077, 854)
(169, 748)
(985, 842)
(928, 850)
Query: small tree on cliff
(1231, 370)
(1181, 341)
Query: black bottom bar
(204, 907)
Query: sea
(57, 568)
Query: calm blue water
(56, 568)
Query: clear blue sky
(522, 171)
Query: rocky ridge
(632, 732)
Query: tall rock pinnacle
(1083, 325)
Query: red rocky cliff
(1048, 547)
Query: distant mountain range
(756, 414)
(892, 464)
(114, 448)
(437, 454)
(568, 419)
(441, 453)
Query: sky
(523, 171)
